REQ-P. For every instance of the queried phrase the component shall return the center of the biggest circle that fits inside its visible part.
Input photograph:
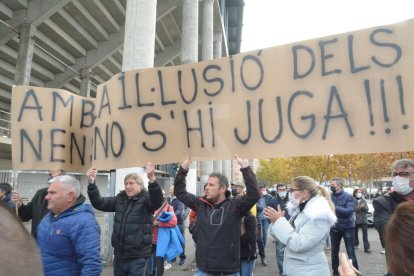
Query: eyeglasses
(294, 190)
(402, 174)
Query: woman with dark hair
(399, 240)
(361, 221)
(312, 216)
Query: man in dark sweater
(36, 209)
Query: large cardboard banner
(347, 93)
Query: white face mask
(401, 185)
(282, 194)
(264, 193)
(294, 201)
(358, 195)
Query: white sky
(268, 23)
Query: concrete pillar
(25, 55)
(85, 86)
(189, 33)
(207, 30)
(218, 164)
(189, 54)
(139, 39)
(206, 167)
(139, 45)
(218, 38)
(227, 169)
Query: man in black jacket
(218, 218)
(36, 209)
(134, 208)
(403, 182)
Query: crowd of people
(230, 223)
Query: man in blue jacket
(68, 236)
(345, 225)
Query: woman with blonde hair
(312, 215)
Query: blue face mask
(282, 194)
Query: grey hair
(136, 178)
(402, 163)
(339, 181)
(69, 182)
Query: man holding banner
(218, 218)
(36, 209)
(134, 208)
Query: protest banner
(345, 93)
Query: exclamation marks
(401, 96)
(384, 106)
(369, 102)
(384, 103)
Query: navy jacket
(344, 209)
(283, 204)
(70, 243)
(179, 208)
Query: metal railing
(5, 124)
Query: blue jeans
(262, 228)
(265, 228)
(200, 272)
(247, 267)
(280, 252)
(349, 240)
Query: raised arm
(154, 189)
(180, 189)
(252, 196)
(105, 204)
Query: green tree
(274, 170)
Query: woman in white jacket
(312, 215)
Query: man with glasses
(403, 183)
(345, 225)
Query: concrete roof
(72, 35)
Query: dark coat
(132, 232)
(218, 225)
(384, 207)
(35, 210)
(361, 210)
(248, 240)
(344, 210)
